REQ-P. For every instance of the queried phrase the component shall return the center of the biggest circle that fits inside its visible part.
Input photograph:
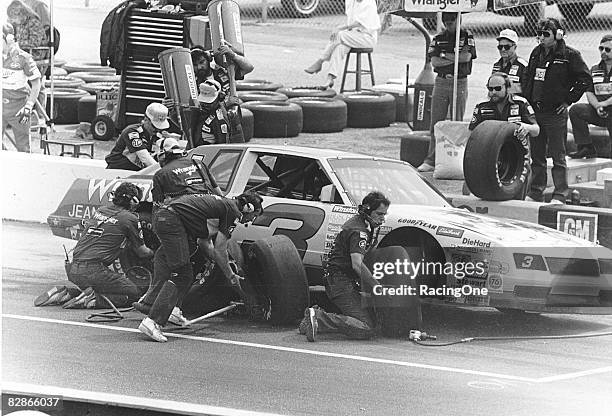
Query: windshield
(399, 182)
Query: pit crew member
(180, 221)
(599, 109)
(510, 63)
(216, 123)
(346, 274)
(133, 148)
(107, 232)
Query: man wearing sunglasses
(510, 63)
(599, 109)
(556, 77)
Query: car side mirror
(329, 193)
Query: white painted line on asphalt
(322, 353)
(122, 401)
(575, 375)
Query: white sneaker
(556, 202)
(530, 199)
(151, 329)
(177, 318)
(425, 167)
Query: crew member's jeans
(553, 133)
(442, 97)
(581, 115)
(119, 289)
(10, 107)
(355, 321)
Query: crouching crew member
(599, 109)
(133, 148)
(509, 62)
(100, 245)
(556, 76)
(346, 274)
(176, 223)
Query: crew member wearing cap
(216, 123)
(133, 148)
(442, 54)
(598, 111)
(18, 98)
(510, 63)
(100, 245)
(176, 223)
(555, 77)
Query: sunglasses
(498, 88)
(544, 33)
(605, 48)
(505, 47)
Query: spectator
(360, 31)
(599, 109)
(18, 98)
(133, 148)
(556, 76)
(442, 54)
(510, 63)
(30, 32)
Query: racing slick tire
(247, 96)
(496, 163)
(66, 103)
(296, 92)
(276, 271)
(396, 314)
(321, 114)
(414, 147)
(87, 108)
(369, 109)
(102, 128)
(64, 81)
(94, 87)
(257, 85)
(86, 67)
(248, 124)
(275, 118)
(96, 77)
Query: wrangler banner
(445, 5)
(506, 4)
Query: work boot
(151, 329)
(177, 318)
(587, 152)
(311, 326)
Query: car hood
(462, 224)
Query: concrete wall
(34, 184)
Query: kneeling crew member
(100, 245)
(177, 222)
(346, 274)
(133, 148)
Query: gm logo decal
(580, 225)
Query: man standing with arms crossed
(556, 76)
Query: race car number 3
(14, 402)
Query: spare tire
(66, 105)
(64, 81)
(369, 109)
(307, 92)
(248, 124)
(96, 77)
(87, 108)
(94, 87)
(276, 271)
(496, 163)
(247, 96)
(397, 314)
(87, 67)
(275, 118)
(322, 115)
(257, 85)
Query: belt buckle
(449, 76)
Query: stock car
(309, 193)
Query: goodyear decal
(417, 223)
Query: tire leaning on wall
(496, 163)
(322, 115)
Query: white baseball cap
(209, 91)
(509, 34)
(158, 114)
(169, 145)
